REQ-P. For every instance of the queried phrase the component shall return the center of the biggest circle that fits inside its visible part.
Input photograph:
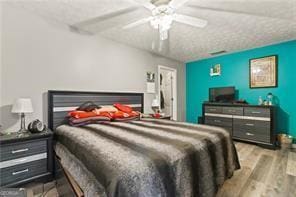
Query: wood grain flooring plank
(262, 168)
(253, 189)
(245, 152)
(276, 181)
(291, 186)
(291, 164)
(252, 159)
(233, 186)
(256, 182)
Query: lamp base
(23, 124)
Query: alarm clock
(36, 126)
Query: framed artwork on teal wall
(263, 72)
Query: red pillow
(121, 114)
(106, 114)
(123, 108)
(81, 114)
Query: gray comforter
(153, 157)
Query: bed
(147, 157)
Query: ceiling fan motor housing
(160, 2)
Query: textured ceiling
(233, 25)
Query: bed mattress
(153, 157)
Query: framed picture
(263, 72)
(215, 70)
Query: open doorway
(167, 91)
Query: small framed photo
(264, 72)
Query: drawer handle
(250, 134)
(256, 112)
(213, 109)
(217, 121)
(251, 125)
(19, 151)
(20, 172)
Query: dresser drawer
(213, 109)
(239, 111)
(23, 171)
(257, 112)
(245, 135)
(218, 121)
(252, 130)
(14, 151)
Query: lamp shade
(155, 103)
(22, 105)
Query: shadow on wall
(45, 108)
(8, 119)
(283, 121)
(283, 118)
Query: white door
(167, 91)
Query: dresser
(25, 158)
(250, 123)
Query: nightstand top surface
(16, 137)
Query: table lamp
(22, 106)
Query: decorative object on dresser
(25, 158)
(22, 106)
(250, 123)
(263, 72)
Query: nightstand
(161, 117)
(25, 158)
(165, 117)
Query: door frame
(174, 71)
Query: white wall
(38, 56)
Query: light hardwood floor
(263, 173)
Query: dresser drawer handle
(250, 134)
(19, 151)
(213, 109)
(250, 125)
(217, 121)
(256, 112)
(20, 172)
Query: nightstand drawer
(14, 151)
(23, 171)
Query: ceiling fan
(164, 14)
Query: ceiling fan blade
(177, 3)
(243, 9)
(146, 3)
(137, 23)
(188, 20)
(101, 23)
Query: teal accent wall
(235, 72)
